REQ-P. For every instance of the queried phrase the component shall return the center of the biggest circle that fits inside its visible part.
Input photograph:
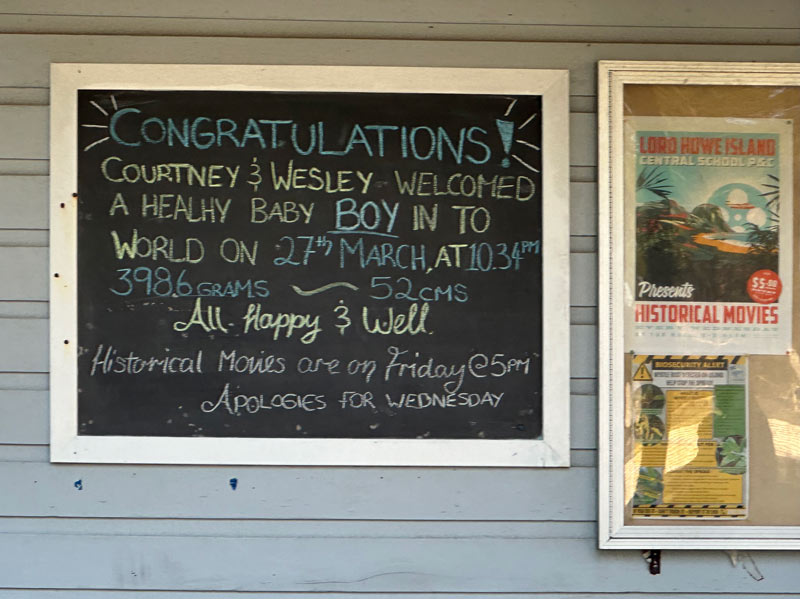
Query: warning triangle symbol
(643, 374)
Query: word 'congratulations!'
(128, 128)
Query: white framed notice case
(309, 265)
(698, 317)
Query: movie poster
(708, 214)
(690, 454)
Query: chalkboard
(309, 264)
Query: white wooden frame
(68, 446)
(613, 533)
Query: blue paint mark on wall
(79, 485)
(234, 482)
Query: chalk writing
(287, 264)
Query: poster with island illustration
(708, 259)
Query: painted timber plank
(23, 167)
(40, 309)
(25, 345)
(583, 208)
(25, 132)
(23, 202)
(343, 565)
(40, 96)
(26, 58)
(105, 594)
(295, 529)
(678, 13)
(139, 594)
(583, 458)
(24, 417)
(583, 279)
(114, 491)
(24, 273)
(335, 29)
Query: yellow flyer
(690, 436)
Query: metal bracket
(653, 559)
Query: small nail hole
(66, 341)
(62, 204)
(74, 195)
(56, 275)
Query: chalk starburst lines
(93, 126)
(507, 129)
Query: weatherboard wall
(184, 532)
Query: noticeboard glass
(700, 222)
(309, 265)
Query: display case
(699, 376)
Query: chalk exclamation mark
(506, 129)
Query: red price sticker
(764, 286)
